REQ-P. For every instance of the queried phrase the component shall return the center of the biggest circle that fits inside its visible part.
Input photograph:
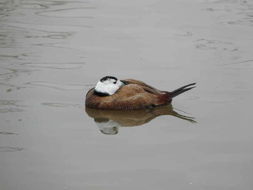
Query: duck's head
(108, 85)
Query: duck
(110, 93)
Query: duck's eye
(114, 82)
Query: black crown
(108, 77)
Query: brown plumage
(133, 95)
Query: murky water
(52, 52)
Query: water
(52, 52)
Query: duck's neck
(102, 94)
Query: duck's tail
(182, 90)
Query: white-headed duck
(113, 94)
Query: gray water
(52, 52)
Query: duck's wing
(140, 95)
(145, 86)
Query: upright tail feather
(182, 90)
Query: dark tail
(182, 90)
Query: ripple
(67, 12)
(245, 64)
(51, 35)
(245, 61)
(206, 44)
(34, 5)
(10, 149)
(7, 133)
(9, 73)
(60, 105)
(7, 102)
(55, 86)
(4, 71)
(233, 12)
(7, 110)
(7, 106)
(13, 56)
(60, 66)
(11, 86)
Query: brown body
(134, 95)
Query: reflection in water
(109, 121)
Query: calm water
(52, 52)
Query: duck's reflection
(109, 121)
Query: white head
(108, 85)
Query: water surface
(53, 51)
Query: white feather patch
(108, 86)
